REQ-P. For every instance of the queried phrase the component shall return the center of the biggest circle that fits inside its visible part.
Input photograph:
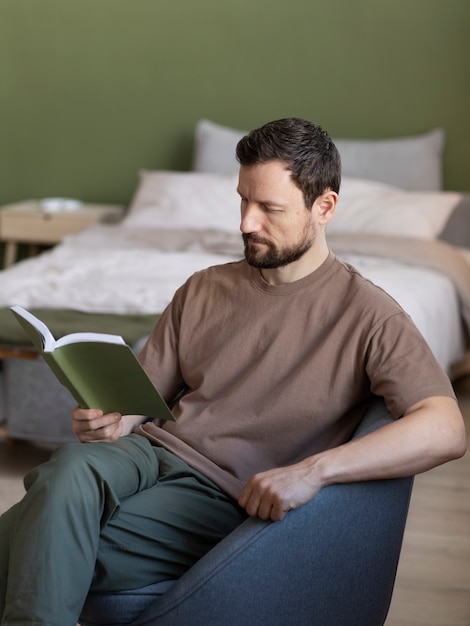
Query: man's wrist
(132, 421)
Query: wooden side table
(28, 222)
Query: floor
(433, 579)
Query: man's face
(276, 226)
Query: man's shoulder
(203, 281)
(363, 291)
(230, 270)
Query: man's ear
(326, 205)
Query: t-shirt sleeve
(159, 355)
(401, 366)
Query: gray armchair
(330, 563)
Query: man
(271, 363)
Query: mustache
(250, 237)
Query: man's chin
(254, 255)
(261, 261)
(254, 260)
(251, 260)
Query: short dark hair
(306, 149)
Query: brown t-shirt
(275, 373)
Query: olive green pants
(107, 517)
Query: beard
(275, 257)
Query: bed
(393, 222)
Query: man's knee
(121, 468)
(65, 466)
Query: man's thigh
(158, 533)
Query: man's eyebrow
(269, 202)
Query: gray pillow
(413, 163)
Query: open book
(100, 370)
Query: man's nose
(250, 220)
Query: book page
(31, 322)
(88, 337)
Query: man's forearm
(429, 434)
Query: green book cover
(100, 370)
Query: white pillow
(369, 207)
(413, 163)
(185, 200)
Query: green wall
(93, 90)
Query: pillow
(369, 207)
(185, 200)
(214, 148)
(413, 163)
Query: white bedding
(116, 269)
(105, 269)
